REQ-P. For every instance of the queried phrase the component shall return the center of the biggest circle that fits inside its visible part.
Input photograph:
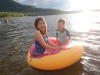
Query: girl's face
(61, 26)
(41, 26)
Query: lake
(17, 36)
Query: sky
(64, 4)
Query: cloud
(84, 4)
(19, 1)
(32, 2)
(64, 4)
(58, 4)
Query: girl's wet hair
(37, 21)
(36, 24)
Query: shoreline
(22, 14)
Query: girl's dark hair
(37, 21)
(36, 24)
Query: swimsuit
(38, 48)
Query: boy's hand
(62, 47)
(65, 43)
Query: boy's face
(61, 26)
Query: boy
(62, 34)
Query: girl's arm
(52, 44)
(42, 42)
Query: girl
(42, 43)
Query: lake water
(17, 36)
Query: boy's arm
(66, 41)
(56, 35)
(69, 37)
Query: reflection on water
(17, 36)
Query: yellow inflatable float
(58, 60)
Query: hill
(12, 6)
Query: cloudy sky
(64, 4)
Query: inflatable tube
(58, 60)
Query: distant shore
(18, 14)
(15, 14)
(22, 14)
